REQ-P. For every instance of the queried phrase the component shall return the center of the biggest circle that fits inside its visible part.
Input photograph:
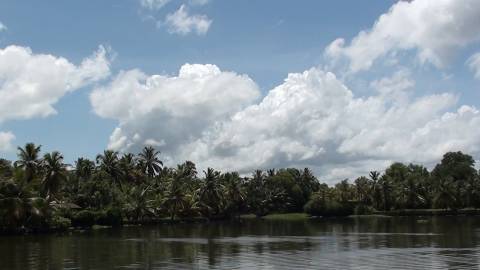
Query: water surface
(347, 243)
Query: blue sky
(265, 40)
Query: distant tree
(6, 169)
(210, 193)
(376, 189)
(28, 160)
(127, 164)
(109, 163)
(84, 168)
(55, 174)
(456, 172)
(151, 164)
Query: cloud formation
(474, 65)
(312, 119)
(30, 84)
(433, 28)
(6, 139)
(182, 23)
(153, 4)
(170, 111)
(3, 27)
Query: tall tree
(211, 192)
(151, 164)
(109, 163)
(376, 189)
(84, 168)
(459, 169)
(55, 174)
(28, 160)
(127, 166)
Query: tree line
(43, 193)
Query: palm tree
(28, 160)
(151, 164)
(211, 192)
(84, 168)
(127, 165)
(234, 192)
(109, 163)
(376, 189)
(363, 186)
(138, 204)
(19, 208)
(344, 191)
(445, 194)
(55, 173)
(256, 190)
(176, 198)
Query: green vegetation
(42, 193)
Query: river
(337, 243)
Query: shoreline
(288, 217)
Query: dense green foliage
(40, 193)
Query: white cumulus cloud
(182, 23)
(433, 28)
(171, 110)
(30, 84)
(312, 119)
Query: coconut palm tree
(55, 174)
(109, 163)
(128, 168)
(176, 198)
(234, 192)
(363, 189)
(20, 208)
(211, 192)
(376, 189)
(84, 168)
(151, 164)
(28, 160)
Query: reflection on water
(362, 243)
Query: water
(349, 243)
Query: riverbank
(431, 212)
(269, 217)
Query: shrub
(362, 209)
(110, 217)
(317, 206)
(59, 223)
(84, 218)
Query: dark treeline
(43, 193)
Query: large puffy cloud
(434, 28)
(30, 84)
(312, 119)
(170, 111)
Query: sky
(338, 86)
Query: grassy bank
(283, 216)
